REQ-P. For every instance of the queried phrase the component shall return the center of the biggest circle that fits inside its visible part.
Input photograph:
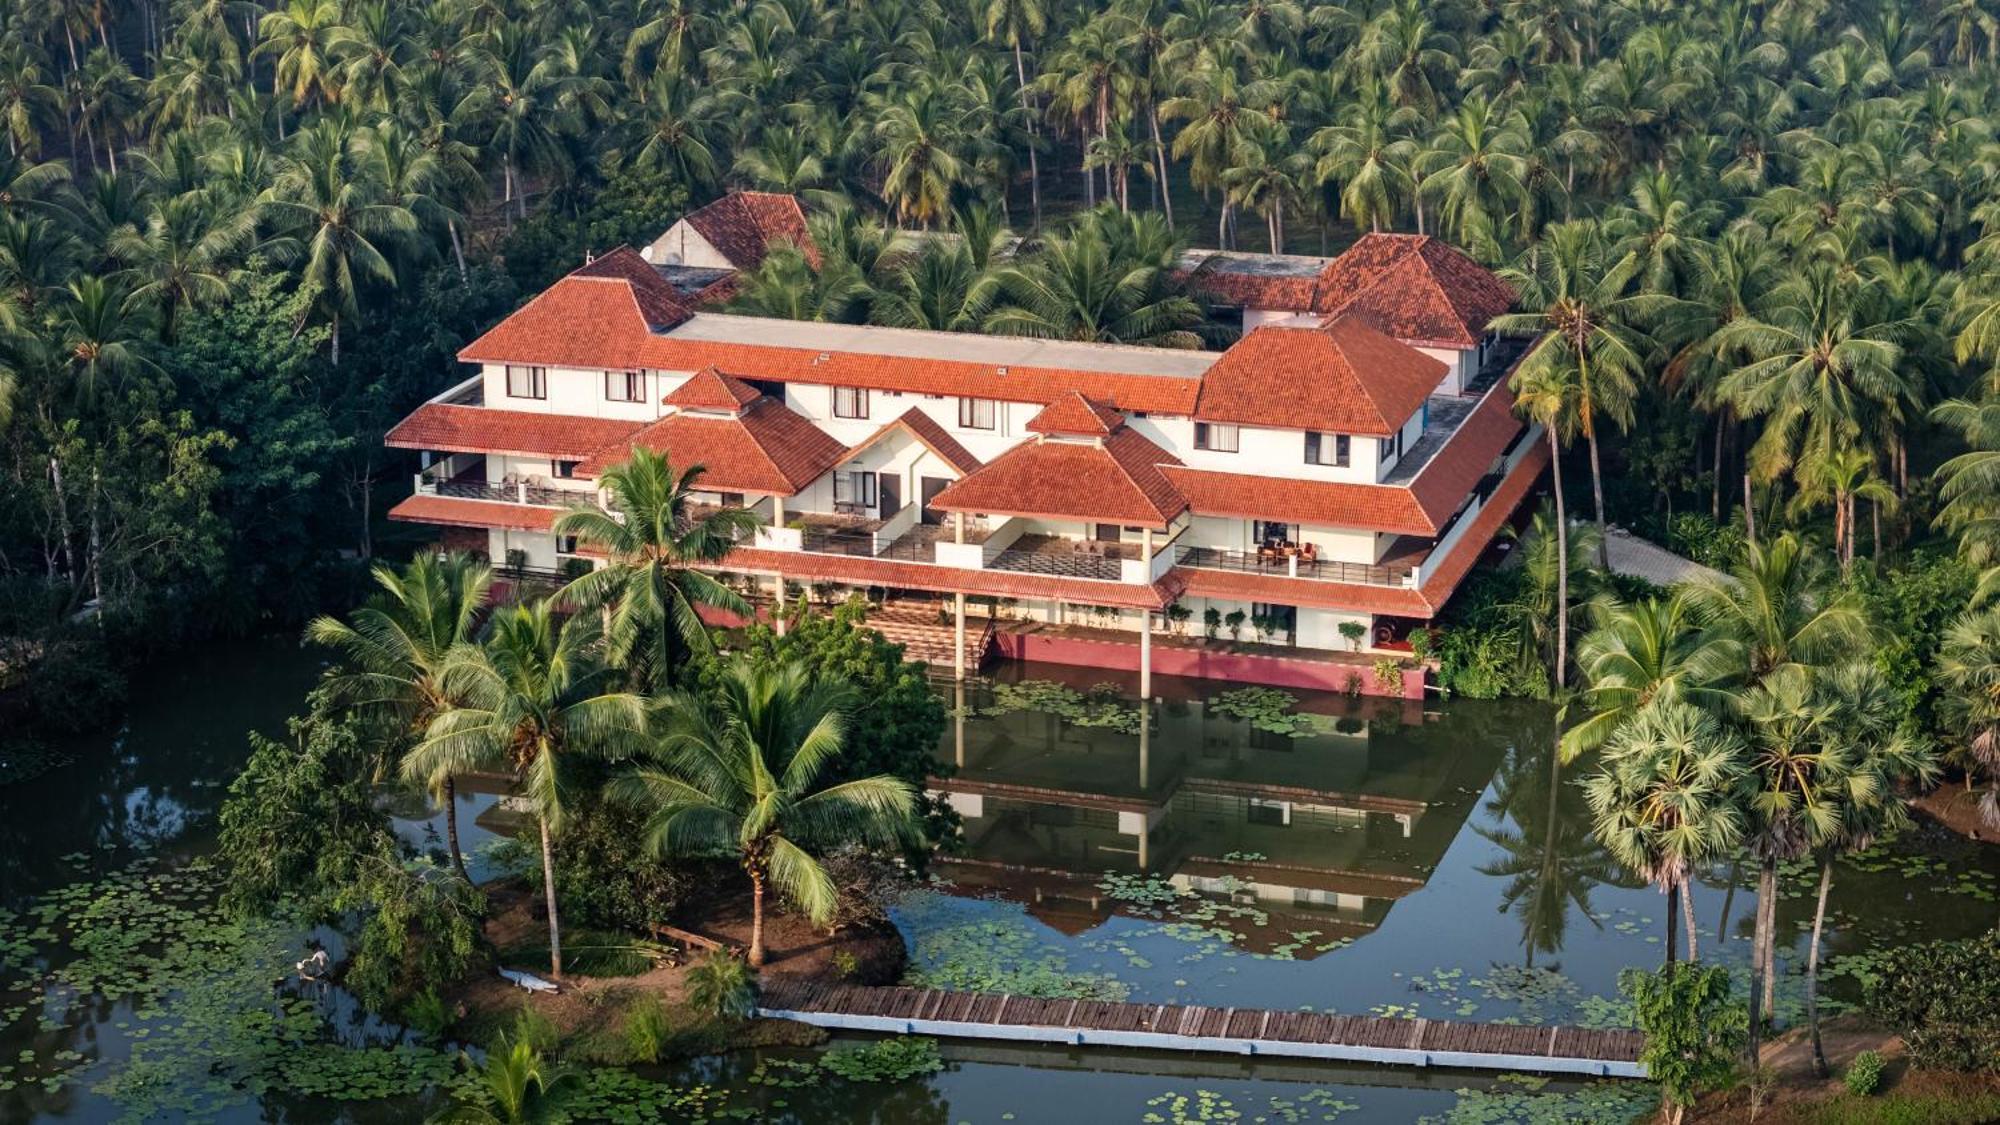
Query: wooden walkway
(1174, 1027)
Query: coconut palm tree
(920, 144)
(1779, 607)
(747, 774)
(1664, 800)
(301, 35)
(1577, 298)
(1017, 24)
(1078, 289)
(1968, 668)
(940, 288)
(103, 336)
(519, 1082)
(182, 258)
(1475, 170)
(653, 539)
(1554, 563)
(1653, 650)
(1839, 479)
(1367, 156)
(528, 700)
(395, 648)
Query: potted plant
(517, 561)
(1389, 674)
(1264, 625)
(1211, 621)
(1353, 631)
(1177, 618)
(1235, 622)
(1421, 643)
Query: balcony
(464, 477)
(1067, 558)
(1396, 571)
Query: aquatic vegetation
(989, 946)
(1176, 1108)
(887, 1060)
(1104, 706)
(1526, 1100)
(1265, 709)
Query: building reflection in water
(1322, 833)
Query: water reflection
(1324, 832)
(1550, 859)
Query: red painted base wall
(1199, 663)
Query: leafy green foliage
(1944, 997)
(1864, 1074)
(609, 881)
(898, 1059)
(721, 986)
(1693, 1028)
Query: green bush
(720, 985)
(605, 877)
(1944, 997)
(648, 1029)
(1693, 1028)
(1864, 1074)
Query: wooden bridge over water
(1176, 1027)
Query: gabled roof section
(1413, 287)
(603, 314)
(1344, 378)
(1073, 414)
(1116, 480)
(932, 436)
(767, 449)
(743, 224)
(476, 429)
(710, 389)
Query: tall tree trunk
(1749, 510)
(336, 339)
(756, 918)
(1034, 134)
(1160, 155)
(1715, 474)
(63, 530)
(1597, 497)
(451, 830)
(1562, 565)
(458, 251)
(1673, 922)
(1812, 965)
(1767, 881)
(1728, 900)
(549, 893)
(1687, 911)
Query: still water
(1331, 854)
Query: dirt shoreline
(1957, 808)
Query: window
(1271, 814)
(624, 386)
(563, 470)
(1215, 437)
(527, 382)
(1327, 449)
(1391, 447)
(976, 413)
(854, 488)
(732, 499)
(850, 402)
(565, 544)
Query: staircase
(925, 636)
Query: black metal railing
(540, 496)
(1059, 564)
(1321, 570)
(865, 544)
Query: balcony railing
(864, 544)
(536, 495)
(1321, 570)
(1060, 565)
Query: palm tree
(677, 117)
(1554, 566)
(332, 215)
(653, 539)
(1223, 114)
(942, 288)
(1576, 294)
(1968, 667)
(1664, 800)
(1971, 480)
(180, 260)
(26, 102)
(919, 144)
(1077, 289)
(396, 646)
(1017, 23)
(529, 700)
(102, 335)
(1655, 650)
(1841, 478)
(1777, 608)
(1547, 397)
(1476, 171)
(520, 1083)
(747, 774)
(1368, 156)
(301, 34)
(526, 114)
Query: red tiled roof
(743, 224)
(1414, 287)
(1250, 290)
(1073, 413)
(452, 511)
(926, 430)
(768, 449)
(1343, 378)
(602, 315)
(862, 570)
(1479, 535)
(1379, 507)
(476, 429)
(710, 389)
(1444, 481)
(1116, 480)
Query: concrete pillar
(1146, 654)
(1146, 551)
(958, 527)
(778, 604)
(958, 725)
(1145, 749)
(958, 637)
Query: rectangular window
(624, 386)
(1215, 437)
(563, 470)
(1391, 447)
(850, 402)
(854, 488)
(527, 382)
(1327, 449)
(976, 413)
(565, 544)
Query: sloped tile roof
(1479, 535)
(1306, 593)
(1074, 414)
(768, 449)
(926, 430)
(451, 511)
(1379, 507)
(1414, 287)
(1116, 480)
(861, 570)
(743, 224)
(1342, 378)
(477, 429)
(601, 315)
(710, 389)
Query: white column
(1146, 750)
(778, 603)
(1146, 654)
(958, 527)
(1146, 551)
(958, 637)
(958, 725)
(777, 511)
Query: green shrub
(1944, 997)
(607, 878)
(648, 1029)
(427, 1013)
(1693, 1029)
(1864, 1074)
(720, 985)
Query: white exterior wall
(682, 245)
(1260, 451)
(1462, 364)
(814, 402)
(579, 392)
(906, 459)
